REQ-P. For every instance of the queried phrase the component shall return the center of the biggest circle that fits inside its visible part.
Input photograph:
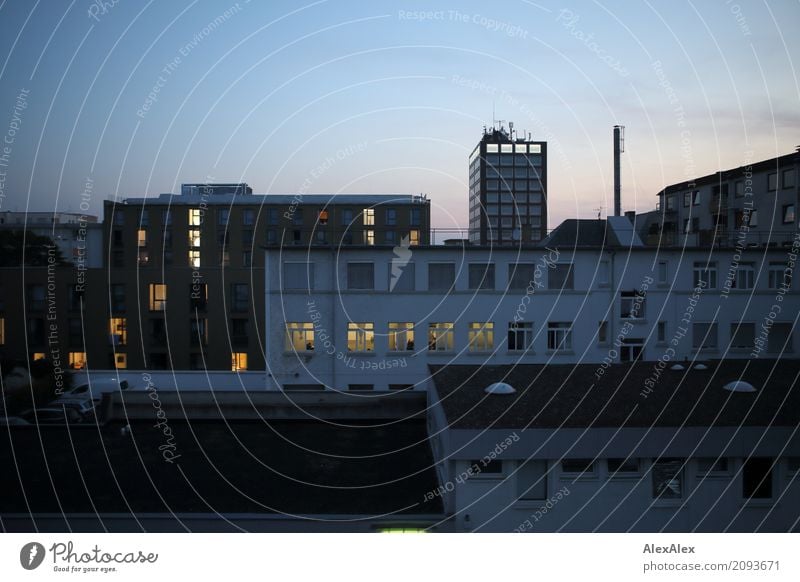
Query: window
(238, 331)
(491, 467)
(667, 477)
(369, 216)
(788, 214)
(194, 259)
(240, 297)
(35, 297)
(248, 217)
(300, 337)
(238, 362)
(778, 275)
(2, 331)
(141, 238)
(401, 336)
(577, 466)
(441, 276)
(561, 276)
(440, 337)
(738, 189)
(195, 217)
(631, 349)
(118, 330)
(360, 387)
(76, 298)
(661, 332)
(247, 258)
(603, 271)
(772, 181)
(481, 276)
(481, 336)
(272, 216)
(158, 332)
(780, 338)
(621, 467)
(143, 257)
(401, 387)
(223, 238)
(415, 217)
(602, 333)
(166, 217)
(532, 480)
(247, 238)
(742, 335)
(117, 293)
(198, 331)
(691, 225)
(198, 296)
(707, 466)
(663, 272)
(158, 297)
(298, 276)
(520, 275)
(120, 361)
(35, 330)
(401, 274)
(413, 237)
(347, 217)
(687, 199)
(194, 238)
(632, 305)
(390, 237)
(559, 336)
(705, 275)
(520, 336)
(788, 179)
(119, 218)
(360, 337)
(361, 276)
(757, 478)
(670, 202)
(297, 217)
(391, 217)
(369, 237)
(223, 214)
(704, 336)
(745, 276)
(77, 360)
(75, 332)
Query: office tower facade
(507, 190)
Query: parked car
(53, 415)
(95, 388)
(85, 406)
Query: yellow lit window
(299, 336)
(77, 360)
(414, 237)
(369, 217)
(121, 361)
(119, 331)
(360, 337)
(481, 336)
(141, 237)
(194, 259)
(158, 297)
(323, 217)
(194, 238)
(238, 361)
(401, 336)
(440, 336)
(370, 237)
(195, 217)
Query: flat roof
(280, 199)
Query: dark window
(532, 480)
(620, 466)
(360, 276)
(706, 466)
(360, 387)
(36, 330)
(159, 361)
(158, 332)
(247, 238)
(481, 276)
(561, 277)
(75, 329)
(441, 276)
(240, 297)
(35, 297)
(117, 293)
(76, 298)
(577, 466)
(248, 217)
(401, 386)
(491, 467)
(391, 217)
(757, 478)
(198, 332)
(415, 218)
(239, 332)
(401, 275)
(520, 275)
(272, 216)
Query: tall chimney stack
(619, 147)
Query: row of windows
(520, 337)
(196, 216)
(693, 197)
(156, 361)
(667, 476)
(519, 148)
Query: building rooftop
(615, 231)
(572, 396)
(281, 199)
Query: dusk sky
(393, 98)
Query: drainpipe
(333, 295)
(267, 321)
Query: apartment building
(375, 319)
(760, 196)
(507, 189)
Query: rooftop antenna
(599, 210)
(511, 130)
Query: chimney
(619, 147)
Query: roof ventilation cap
(677, 367)
(499, 388)
(739, 386)
(701, 367)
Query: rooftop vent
(677, 367)
(739, 386)
(499, 388)
(701, 367)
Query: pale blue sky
(275, 88)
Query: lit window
(667, 475)
(300, 337)
(322, 217)
(481, 336)
(194, 259)
(520, 336)
(195, 217)
(238, 362)
(119, 331)
(37, 356)
(369, 217)
(369, 237)
(141, 237)
(120, 361)
(413, 237)
(77, 360)
(360, 337)
(194, 238)
(158, 297)
(559, 336)
(440, 337)
(401, 336)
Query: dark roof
(735, 173)
(572, 396)
(579, 232)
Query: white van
(95, 388)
